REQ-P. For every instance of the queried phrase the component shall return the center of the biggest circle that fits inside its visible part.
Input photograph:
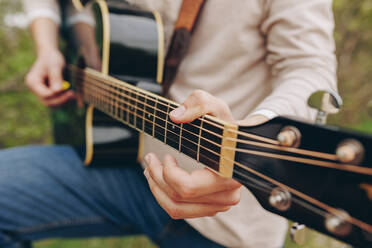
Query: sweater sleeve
(42, 9)
(301, 55)
(51, 9)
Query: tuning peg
(338, 224)
(289, 136)
(280, 199)
(298, 233)
(350, 151)
(325, 102)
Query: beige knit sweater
(262, 56)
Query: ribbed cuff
(43, 13)
(265, 112)
(83, 17)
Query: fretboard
(149, 113)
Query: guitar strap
(184, 27)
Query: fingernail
(148, 159)
(178, 112)
(146, 173)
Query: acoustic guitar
(317, 175)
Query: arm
(300, 48)
(45, 77)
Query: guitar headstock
(320, 176)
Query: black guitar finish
(132, 56)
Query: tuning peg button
(338, 224)
(298, 233)
(325, 102)
(350, 151)
(280, 199)
(289, 136)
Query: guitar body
(116, 40)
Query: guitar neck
(206, 139)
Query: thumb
(200, 103)
(184, 115)
(55, 79)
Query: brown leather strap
(188, 14)
(187, 19)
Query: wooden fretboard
(146, 112)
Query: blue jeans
(46, 192)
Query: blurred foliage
(354, 52)
(25, 121)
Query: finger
(58, 100)
(200, 103)
(55, 79)
(155, 169)
(182, 210)
(197, 184)
(35, 81)
(225, 198)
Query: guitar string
(344, 167)
(258, 153)
(300, 194)
(127, 87)
(329, 209)
(272, 145)
(268, 189)
(278, 147)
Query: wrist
(45, 34)
(253, 120)
(47, 52)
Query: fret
(173, 130)
(131, 109)
(149, 120)
(113, 100)
(160, 119)
(105, 101)
(180, 139)
(190, 134)
(144, 112)
(135, 99)
(117, 101)
(124, 105)
(140, 111)
(199, 138)
(210, 145)
(166, 122)
(120, 105)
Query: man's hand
(45, 79)
(200, 193)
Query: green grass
(133, 242)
